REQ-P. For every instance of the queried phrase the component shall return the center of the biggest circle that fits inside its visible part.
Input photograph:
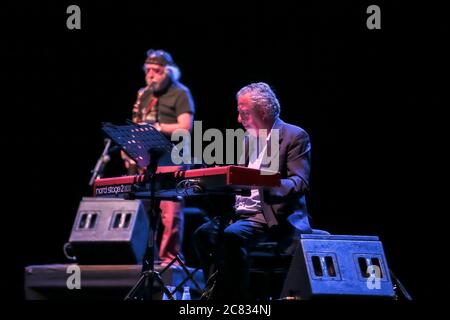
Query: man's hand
(157, 126)
(184, 121)
(127, 160)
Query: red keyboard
(173, 180)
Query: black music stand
(138, 140)
(146, 146)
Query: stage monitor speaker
(110, 231)
(338, 265)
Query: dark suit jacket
(287, 202)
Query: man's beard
(158, 86)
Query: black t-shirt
(171, 102)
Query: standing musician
(167, 104)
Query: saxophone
(136, 116)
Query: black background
(368, 98)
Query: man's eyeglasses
(243, 113)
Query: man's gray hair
(173, 72)
(262, 97)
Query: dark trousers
(228, 252)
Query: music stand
(137, 140)
(146, 146)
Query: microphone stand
(99, 166)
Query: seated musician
(276, 214)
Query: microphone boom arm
(104, 158)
